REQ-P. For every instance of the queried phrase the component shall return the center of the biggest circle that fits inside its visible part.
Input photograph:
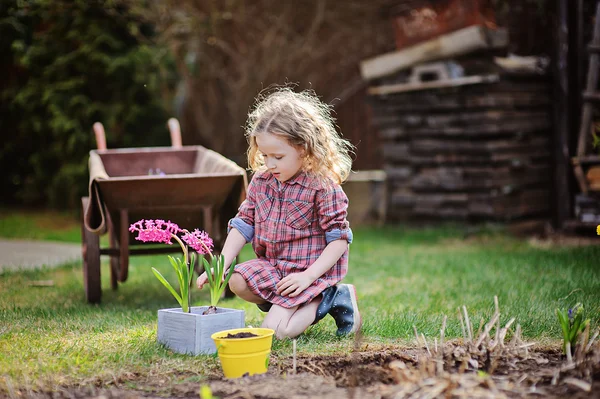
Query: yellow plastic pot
(244, 356)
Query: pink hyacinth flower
(154, 230)
(199, 240)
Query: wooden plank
(459, 179)
(574, 224)
(562, 117)
(386, 121)
(515, 120)
(529, 227)
(490, 206)
(419, 160)
(401, 198)
(466, 102)
(480, 117)
(465, 147)
(395, 151)
(441, 213)
(397, 173)
(456, 43)
(502, 100)
(438, 84)
(391, 133)
(591, 85)
(505, 87)
(588, 159)
(506, 128)
(591, 96)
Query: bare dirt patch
(387, 373)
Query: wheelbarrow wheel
(90, 251)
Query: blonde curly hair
(307, 124)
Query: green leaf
(220, 261)
(168, 285)
(207, 270)
(184, 287)
(181, 279)
(564, 324)
(191, 268)
(175, 263)
(577, 328)
(230, 271)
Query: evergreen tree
(71, 63)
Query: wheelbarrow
(189, 185)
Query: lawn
(405, 278)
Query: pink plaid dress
(290, 224)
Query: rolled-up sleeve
(244, 219)
(245, 229)
(332, 208)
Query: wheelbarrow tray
(191, 186)
(158, 193)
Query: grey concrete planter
(189, 333)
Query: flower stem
(184, 248)
(206, 249)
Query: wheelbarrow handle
(175, 130)
(100, 136)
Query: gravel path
(23, 254)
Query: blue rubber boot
(340, 302)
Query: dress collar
(302, 178)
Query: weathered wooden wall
(353, 117)
(474, 152)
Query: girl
(295, 216)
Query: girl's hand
(201, 280)
(293, 284)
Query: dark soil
(383, 373)
(241, 335)
(210, 310)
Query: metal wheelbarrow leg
(90, 251)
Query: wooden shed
(492, 144)
(467, 151)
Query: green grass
(40, 225)
(50, 337)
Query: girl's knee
(237, 284)
(267, 324)
(281, 331)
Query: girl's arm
(234, 243)
(331, 254)
(294, 284)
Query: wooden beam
(438, 84)
(591, 84)
(456, 43)
(562, 197)
(592, 96)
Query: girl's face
(281, 159)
